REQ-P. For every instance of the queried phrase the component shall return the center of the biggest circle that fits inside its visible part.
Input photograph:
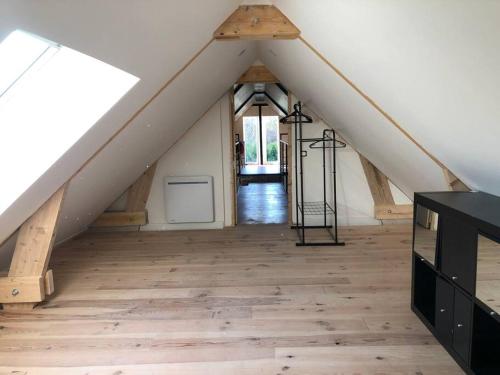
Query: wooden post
(29, 281)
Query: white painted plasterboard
(344, 109)
(183, 159)
(170, 116)
(433, 66)
(151, 40)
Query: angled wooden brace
(135, 213)
(385, 207)
(29, 281)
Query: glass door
(270, 140)
(251, 137)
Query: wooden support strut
(135, 213)
(29, 281)
(138, 193)
(384, 206)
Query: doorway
(261, 180)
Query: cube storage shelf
(444, 275)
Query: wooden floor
(262, 203)
(239, 301)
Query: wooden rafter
(29, 281)
(257, 22)
(258, 74)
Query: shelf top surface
(477, 205)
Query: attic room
(250, 187)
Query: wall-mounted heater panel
(189, 199)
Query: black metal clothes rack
(328, 144)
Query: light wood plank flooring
(262, 203)
(238, 301)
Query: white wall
(434, 66)
(203, 150)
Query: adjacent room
(250, 187)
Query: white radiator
(189, 199)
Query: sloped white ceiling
(153, 132)
(434, 66)
(321, 89)
(150, 39)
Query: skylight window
(50, 95)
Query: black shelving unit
(328, 145)
(445, 289)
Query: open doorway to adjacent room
(261, 139)
(261, 154)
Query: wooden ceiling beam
(257, 22)
(258, 74)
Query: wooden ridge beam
(258, 74)
(28, 280)
(257, 22)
